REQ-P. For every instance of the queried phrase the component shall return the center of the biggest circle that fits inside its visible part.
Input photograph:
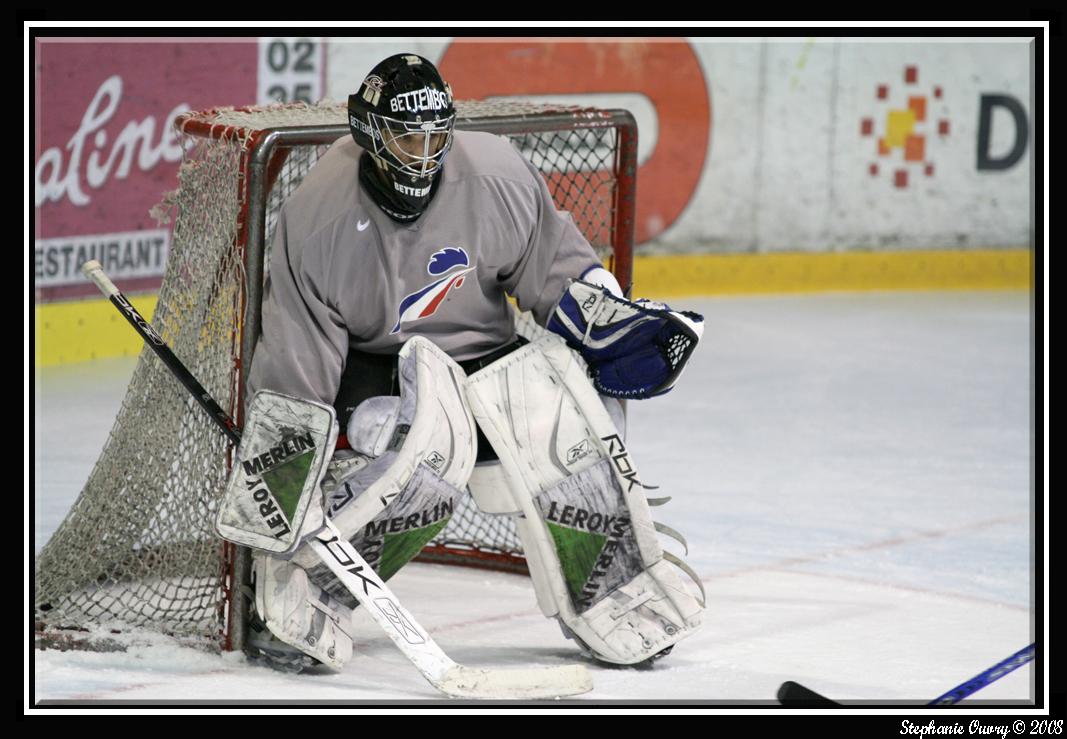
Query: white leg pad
(590, 542)
(299, 612)
(413, 455)
(489, 488)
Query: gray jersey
(342, 273)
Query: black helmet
(403, 116)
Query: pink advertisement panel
(105, 149)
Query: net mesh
(137, 549)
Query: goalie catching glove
(634, 349)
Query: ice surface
(852, 473)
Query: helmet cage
(414, 148)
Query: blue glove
(634, 349)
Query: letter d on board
(985, 127)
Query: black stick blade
(796, 695)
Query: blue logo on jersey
(451, 262)
(446, 259)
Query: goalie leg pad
(299, 613)
(413, 455)
(589, 538)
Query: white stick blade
(518, 684)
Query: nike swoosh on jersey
(362, 225)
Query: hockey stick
(796, 695)
(436, 666)
(359, 578)
(95, 272)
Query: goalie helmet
(402, 116)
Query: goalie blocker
(589, 538)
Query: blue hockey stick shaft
(796, 695)
(978, 682)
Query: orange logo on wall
(667, 73)
(908, 130)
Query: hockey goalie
(387, 300)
